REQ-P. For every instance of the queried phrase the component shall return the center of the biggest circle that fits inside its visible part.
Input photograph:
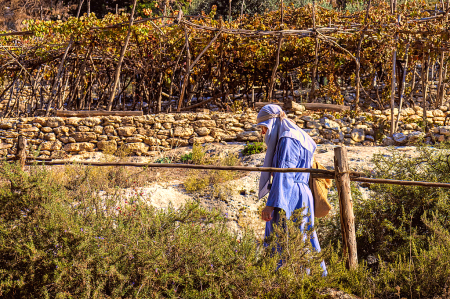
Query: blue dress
(290, 191)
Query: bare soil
(237, 199)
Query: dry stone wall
(150, 134)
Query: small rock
(438, 113)
(126, 131)
(307, 118)
(202, 131)
(346, 130)
(444, 130)
(313, 125)
(330, 124)
(439, 138)
(357, 135)
(400, 138)
(388, 141)
(297, 107)
(51, 145)
(370, 138)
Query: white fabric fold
(278, 125)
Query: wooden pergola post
(342, 177)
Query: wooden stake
(358, 58)
(158, 105)
(122, 54)
(316, 55)
(188, 69)
(173, 75)
(253, 97)
(394, 60)
(440, 85)
(402, 88)
(274, 70)
(345, 205)
(424, 72)
(80, 4)
(205, 49)
(21, 153)
(413, 84)
(58, 75)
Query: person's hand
(266, 213)
(263, 130)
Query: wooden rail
(315, 173)
(308, 106)
(90, 113)
(319, 173)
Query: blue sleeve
(287, 156)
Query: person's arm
(287, 157)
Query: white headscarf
(278, 125)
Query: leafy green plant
(253, 148)
(163, 160)
(186, 158)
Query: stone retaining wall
(150, 134)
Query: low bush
(198, 154)
(186, 158)
(198, 180)
(402, 232)
(253, 148)
(98, 248)
(164, 160)
(63, 236)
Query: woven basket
(319, 189)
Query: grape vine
(242, 56)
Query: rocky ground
(237, 199)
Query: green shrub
(186, 158)
(164, 160)
(112, 247)
(253, 148)
(198, 154)
(402, 232)
(196, 181)
(200, 180)
(62, 236)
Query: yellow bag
(319, 189)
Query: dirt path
(237, 199)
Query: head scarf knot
(278, 125)
(281, 115)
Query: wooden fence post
(21, 153)
(345, 205)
